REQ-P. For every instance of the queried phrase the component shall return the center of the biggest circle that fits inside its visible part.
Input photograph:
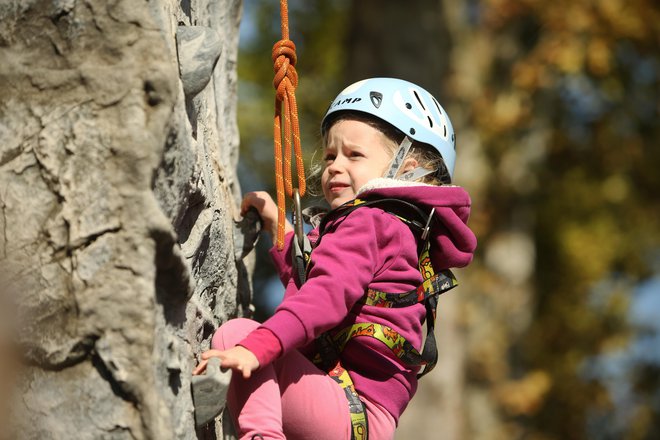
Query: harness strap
(430, 349)
(350, 206)
(327, 359)
(356, 407)
(401, 348)
(439, 283)
(432, 284)
(301, 258)
(329, 347)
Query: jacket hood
(452, 241)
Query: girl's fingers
(250, 200)
(236, 365)
(212, 353)
(234, 358)
(200, 368)
(245, 203)
(230, 363)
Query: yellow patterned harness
(331, 344)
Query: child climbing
(340, 358)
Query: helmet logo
(376, 98)
(345, 101)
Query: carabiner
(427, 227)
(298, 218)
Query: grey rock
(198, 49)
(246, 233)
(118, 219)
(228, 428)
(209, 392)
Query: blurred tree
(555, 105)
(563, 96)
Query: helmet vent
(408, 105)
(431, 123)
(437, 105)
(412, 131)
(445, 131)
(419, 99)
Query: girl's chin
(339, 201)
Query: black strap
(430, 349)
(396, 207)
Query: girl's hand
(267, 209)
(237, 358)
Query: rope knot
(286, 131)
(284, 61)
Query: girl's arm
(267, 209)
(343, 265)
(282, 259)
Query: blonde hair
(426, 156)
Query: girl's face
(354, 154)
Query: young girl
(359, 254)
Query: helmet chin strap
(400, 155)
(415, 174)
(397, 163)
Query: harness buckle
(427, 226)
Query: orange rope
(285, 126)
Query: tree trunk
(118, 194)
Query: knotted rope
(286, 123)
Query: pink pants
(291, 398)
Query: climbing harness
(285, 126)
(330, 344)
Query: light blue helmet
(404, 105)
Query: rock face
(118, 195)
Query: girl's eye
(356, 154)
(329, 157)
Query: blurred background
(554, 332)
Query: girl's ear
(409, 164)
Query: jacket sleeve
(343, 265)
(282, 259)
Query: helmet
(404, 105)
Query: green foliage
(564, 103)
(586, 73)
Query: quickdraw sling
(330, 346)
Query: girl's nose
(335, 167)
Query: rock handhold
(209, 392)
(246, 233)
(198, 49)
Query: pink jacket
(369, 248)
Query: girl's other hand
(267, 209)
(237, 358)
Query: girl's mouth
(337, 187)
